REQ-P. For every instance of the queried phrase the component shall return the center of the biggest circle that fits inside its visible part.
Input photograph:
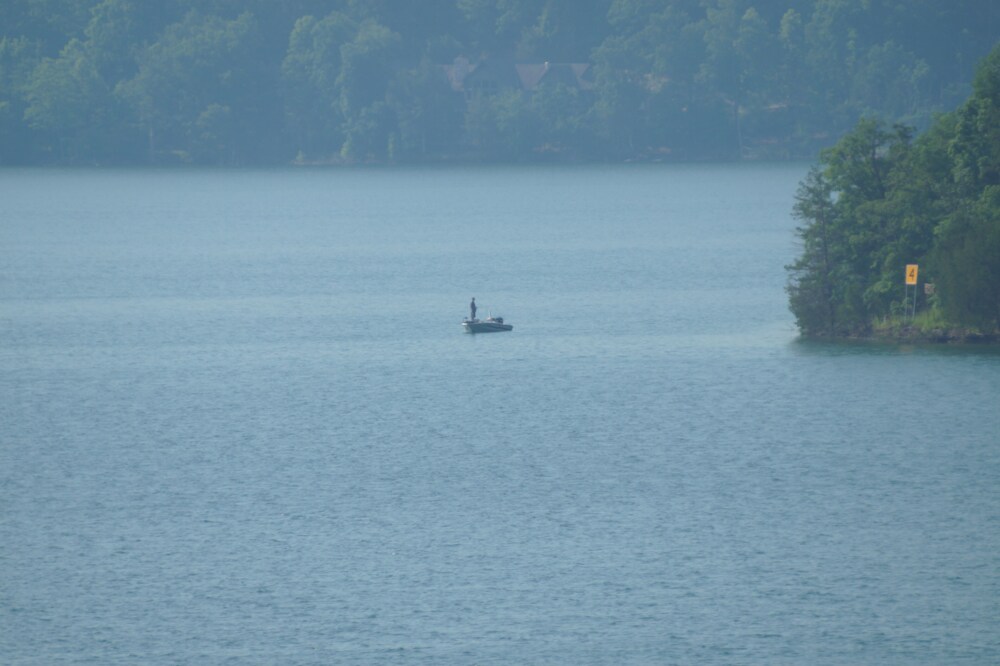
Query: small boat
(488, 325)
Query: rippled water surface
(240, 423)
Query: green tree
(968, 249)
(893, 82)
(500, 126)
(967, 259)
(831, 33)
(560, 114)
(563, 30)
(50, 24)
(976, 148)
(862, 169)
(363, 82)
(621, 92)
(859, 234)
(310, 70)
(111, 37)
(428, 114)
(71, 105)
(200, 70)
(739, 48)
(648, 98)
(18, 58)
(813, 276)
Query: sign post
(911, 279)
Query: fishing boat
(489, 325)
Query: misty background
(256, 82)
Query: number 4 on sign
(911, 273)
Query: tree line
(261, 82)
(880, 200)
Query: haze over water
(240, 423)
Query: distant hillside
(262, 82)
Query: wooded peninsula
(258, 82)
(901, 236)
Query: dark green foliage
(968, 248)
(260, 81)
(813, 275)
(967, 256)
(194, 94)
(881, 200)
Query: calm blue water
(239, 423)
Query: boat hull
(487, 326)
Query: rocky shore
(918, 335)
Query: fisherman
(472, 309)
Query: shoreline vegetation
(900, 233)
(925, 328)
(930, 327)
(899, 331)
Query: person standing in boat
(472, 309)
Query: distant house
(492, 75)
(572, 75)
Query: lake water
(240, 423)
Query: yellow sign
(911, 273)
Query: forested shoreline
(257, 82)
(882, 202)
